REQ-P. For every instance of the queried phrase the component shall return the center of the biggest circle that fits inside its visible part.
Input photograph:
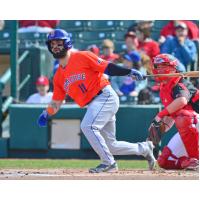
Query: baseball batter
(80, 75)
(181, 101)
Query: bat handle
(134, 78)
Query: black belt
(100, 92)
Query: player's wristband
(163, 113)
(50, 111)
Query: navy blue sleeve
(116, 70)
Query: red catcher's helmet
(164, 64)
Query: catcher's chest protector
(166, 91)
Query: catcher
(181, 106)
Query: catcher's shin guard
(167, 160)
(186, 122)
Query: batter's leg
(97, 116)
(122, 147)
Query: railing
(4, 80)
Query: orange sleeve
(58, 92)
(96, 63)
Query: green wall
(131, 125)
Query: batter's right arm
(53, 107)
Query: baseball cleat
(150, 157)
(190, 164)
(104, 168)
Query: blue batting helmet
(59, 34)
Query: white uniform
(37, 98)
(98, 125)
(177, 146)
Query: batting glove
(137, 75)
(43, 118)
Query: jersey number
(82, 87)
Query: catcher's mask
(164, 64)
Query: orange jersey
(82, 78)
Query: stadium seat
(159, 24)
(8, 24)
(94, 36)
(118, 35)
(119, 47)
(73, 34)
(80, 45)
(125, 24)
(32, 38)
(155, 34)
(4, 39)
(72, 25)
(4, 35)
(103, 25)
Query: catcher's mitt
(157, 129)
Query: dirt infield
(76, 174)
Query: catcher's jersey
(82, 78)
(179, 87)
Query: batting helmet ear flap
(48, 45)
(67, 44)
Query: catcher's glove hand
(156, 131)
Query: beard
(60, 54)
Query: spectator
(145, 24)
(169, 29)
(125, 86)
(142, 24)
(131, 41)
(43, 96)
(42, 26)
(146, 44)
(108, 51)
(180, 45)
(146, 62)
(94, 49)
(145, 97)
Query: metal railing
(12, 74)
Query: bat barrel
(194, 74)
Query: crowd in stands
(179, 38)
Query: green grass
(56, 164)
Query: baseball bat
(194, 74)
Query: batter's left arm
(116, 70)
